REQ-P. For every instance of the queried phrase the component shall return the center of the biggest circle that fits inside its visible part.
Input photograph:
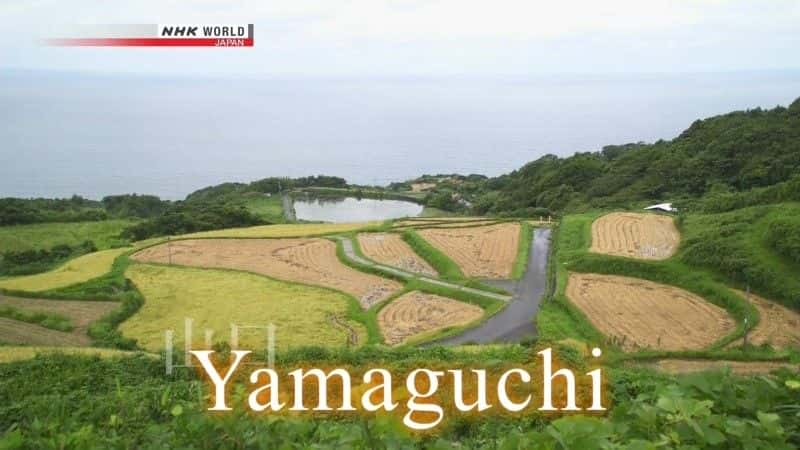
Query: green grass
(446, 267)
(216, 298)
(104, 234)
(524, 250)
(429, 211)
(734, 247)
(48, 320)
(268, 208)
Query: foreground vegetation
(88, 402)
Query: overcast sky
(423, 37)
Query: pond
(349, 209)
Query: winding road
(514, 322)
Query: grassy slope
(733, 247)
(46, 235)
(268, 208)
(78, 270)
(216, 298)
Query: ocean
(94, 135)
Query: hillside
(730, 153)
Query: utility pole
(746, 325)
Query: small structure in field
(663, 207)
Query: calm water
(349, 209)
(63, 134)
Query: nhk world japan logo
(156, 35)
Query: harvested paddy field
(308, 261)
(416, 313)
(482, 251)
(679, 366)
(215, 299)
(392, 250)
(74, 271)
(778, 326)
(80, 314)
(641, 236)
(638, 314)
(285, 230)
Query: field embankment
(634, 235)
(308, 261)
(215, 299)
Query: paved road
(515, 322)
(351, 255)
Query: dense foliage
(85, 402)
(184, 218)
(133, 205)
(783, 236)
(17, 211)
(732, 152)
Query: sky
(343, 38)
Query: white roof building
(666, 207)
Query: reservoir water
(348, 209)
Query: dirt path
(679, 366)
(515, 322)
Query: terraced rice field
(284, 230)
(80, 313)
(75, 271)
(633, 235)
(484, 251)
(640, 314)
(778, 325)
(416, 313)
(390, 249)
(214, 299)
(308, 261)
